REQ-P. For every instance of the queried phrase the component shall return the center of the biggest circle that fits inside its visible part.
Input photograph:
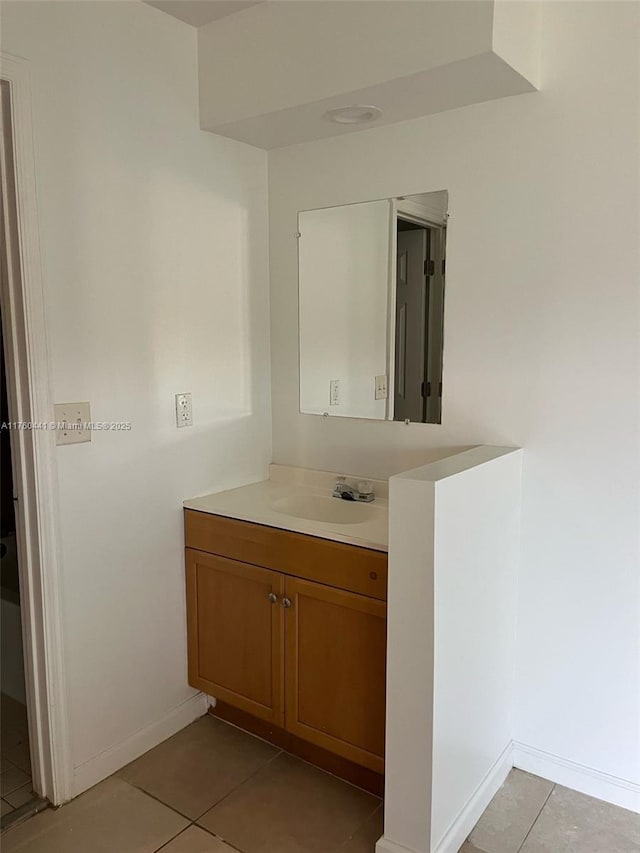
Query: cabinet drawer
(342, 566)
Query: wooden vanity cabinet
(335, 664)
(290, 629)
(236, 633)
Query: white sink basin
(327, 509)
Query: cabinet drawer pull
(272, 597)
(286, 602)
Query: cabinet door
(335, 652)
(235, 633)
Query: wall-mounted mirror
(371, 302)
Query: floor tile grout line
(32, 796)
(218, 837)
(361, 825)
(19, 769)
(334, 776)
(173, 838)
(13, 790)
(279, 752)
(192, 820)
(344, 843)
(297, 757)
(244, 782)
(524, 840)
(15, 766)
(31, 799)
(21, 814)
(148, 794)
(341, 844)
(379, 805)
(12, 763)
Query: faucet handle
(339, 487)
(365, 487)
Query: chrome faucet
(364, 492)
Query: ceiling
(272, 75)
(201, 12)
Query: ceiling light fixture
(353, 114)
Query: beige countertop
(281, 501)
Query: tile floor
(15, 772)
(214, 789)
(531, 815)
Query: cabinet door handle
(286, 602)
(272, 597)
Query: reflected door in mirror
(411, 306)
(371, 308)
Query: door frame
(33, 450)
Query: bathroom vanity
(369, 637)
(286, 612)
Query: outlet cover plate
(381, 387)
(72, 423)
(184, 410)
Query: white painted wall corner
(469, 815)
(385, 845)
(120, 754)
(578, 777)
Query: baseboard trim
(579, 777)
(469, 815)
(117, 756)
(385, 845)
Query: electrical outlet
(184, 410)
(334, 392)
(72, 423)
(381, 387)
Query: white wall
(541, 351)
(154, 246)
(476, 543)
(453, 546)
(343, 295)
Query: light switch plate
(72, 423)
(381, 387)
